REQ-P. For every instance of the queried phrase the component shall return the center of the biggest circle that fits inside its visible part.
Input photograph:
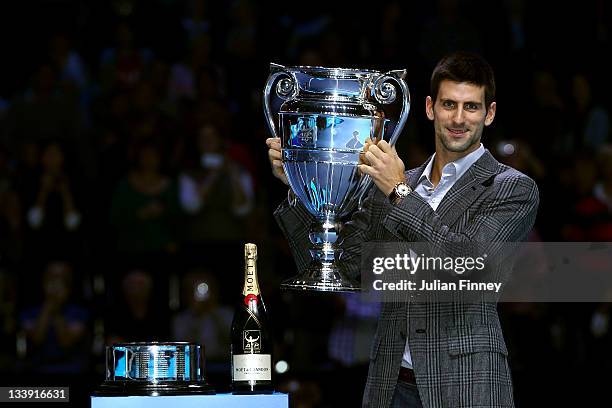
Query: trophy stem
(323, 274)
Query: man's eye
(448, 104)
(471, 107)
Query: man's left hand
(383, 165)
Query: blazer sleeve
(505, 215)
(295, 221)
(361, 228)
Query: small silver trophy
(155, 368)
(323, 117)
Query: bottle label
(252, 367)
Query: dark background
(102, 107)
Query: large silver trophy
(323, 117)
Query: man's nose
(459, 116)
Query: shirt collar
(454, 169)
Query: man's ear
(429, 108)
(490, 114)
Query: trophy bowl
(154, 368)
(324, 116)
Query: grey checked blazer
(458, 351)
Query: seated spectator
(144, 207)
(135, 316)
(54, 180)
(124, 64)
(43, 113)
(589, 119)
(216, 193)
(52, 213)
(68, 62)
(56, 329)
(183, 82)
(591, 219)
(204, 320)
(196, 20)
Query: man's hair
(467, 67)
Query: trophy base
(130, 388)
(321, 280)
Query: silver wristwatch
(400, 191)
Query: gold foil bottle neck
(251, 286)
(250, 251)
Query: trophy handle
(129, 364)
(286, 88)
(386, 93)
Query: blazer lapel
(467, 189)
(412, 176)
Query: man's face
(459, 115)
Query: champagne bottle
(251, 340)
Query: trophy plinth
(324, 118)
(155, 368)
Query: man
(354, 142)
(436, 354)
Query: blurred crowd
(133, 169)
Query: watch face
(403, 190)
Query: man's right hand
(274, 154)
